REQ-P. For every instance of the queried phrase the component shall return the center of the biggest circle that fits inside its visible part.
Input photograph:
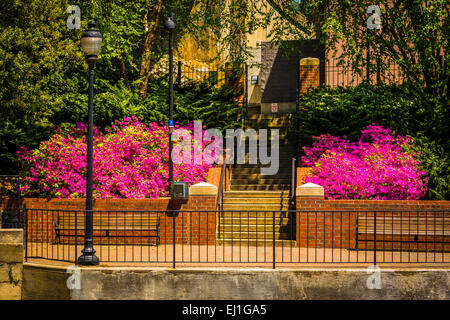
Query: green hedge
(345, 111)
(216, 107)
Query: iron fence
(248, 238)
(331, 73)
(214, 74)
(335, 75)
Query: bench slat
(388, 225)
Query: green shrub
(408, 111)
(216, 107)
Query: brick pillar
(11, 264)
(203, 215)
(309, 74)
(319, 228)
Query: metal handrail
(219, 203)
(293, 182)
(245, 101)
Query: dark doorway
(279, 73)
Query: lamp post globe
(170, 26)
(91, 42)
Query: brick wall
(190, 226)
(333, 223)
(301, 173)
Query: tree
(40, 61)
(414, 35)
(43, 79)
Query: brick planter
(191, 226)
(334, 223)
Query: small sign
(274, 108)
(171, 123)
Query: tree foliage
(414, 35)
(43, 76)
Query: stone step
(254, 200)
(283, 125)
(280, 176)
(257, 221)
(256, 237)
(281, 147)
(251, 110)
(256, 194)
(283, 163)
(282, 133)
(256, 170)
(262, 181)
(259, 187)
(256, 243)
(264, 215)
(270, 116)
(242, 227)
(255, 206)
(281, 158)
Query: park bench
(389, 226)
(107, 224)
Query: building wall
(334, 223)
(49, 282)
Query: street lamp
(170, 26)
(91, 42)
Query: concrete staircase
(243, 221)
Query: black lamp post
(91, 42)
(170, 25)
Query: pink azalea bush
(130, 161)
(378, 166)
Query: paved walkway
(238, 256)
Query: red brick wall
(190, 227)
(301, 173)
(214, 176)
(337, 227)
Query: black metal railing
(214, 74)
(336, 75)
(225, 173)
(251, 238)
(293, 183)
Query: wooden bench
(107, 223)
(414, 226)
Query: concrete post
(11, 264)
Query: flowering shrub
(130, 161)
(378, 166)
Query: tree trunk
(151, 28)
